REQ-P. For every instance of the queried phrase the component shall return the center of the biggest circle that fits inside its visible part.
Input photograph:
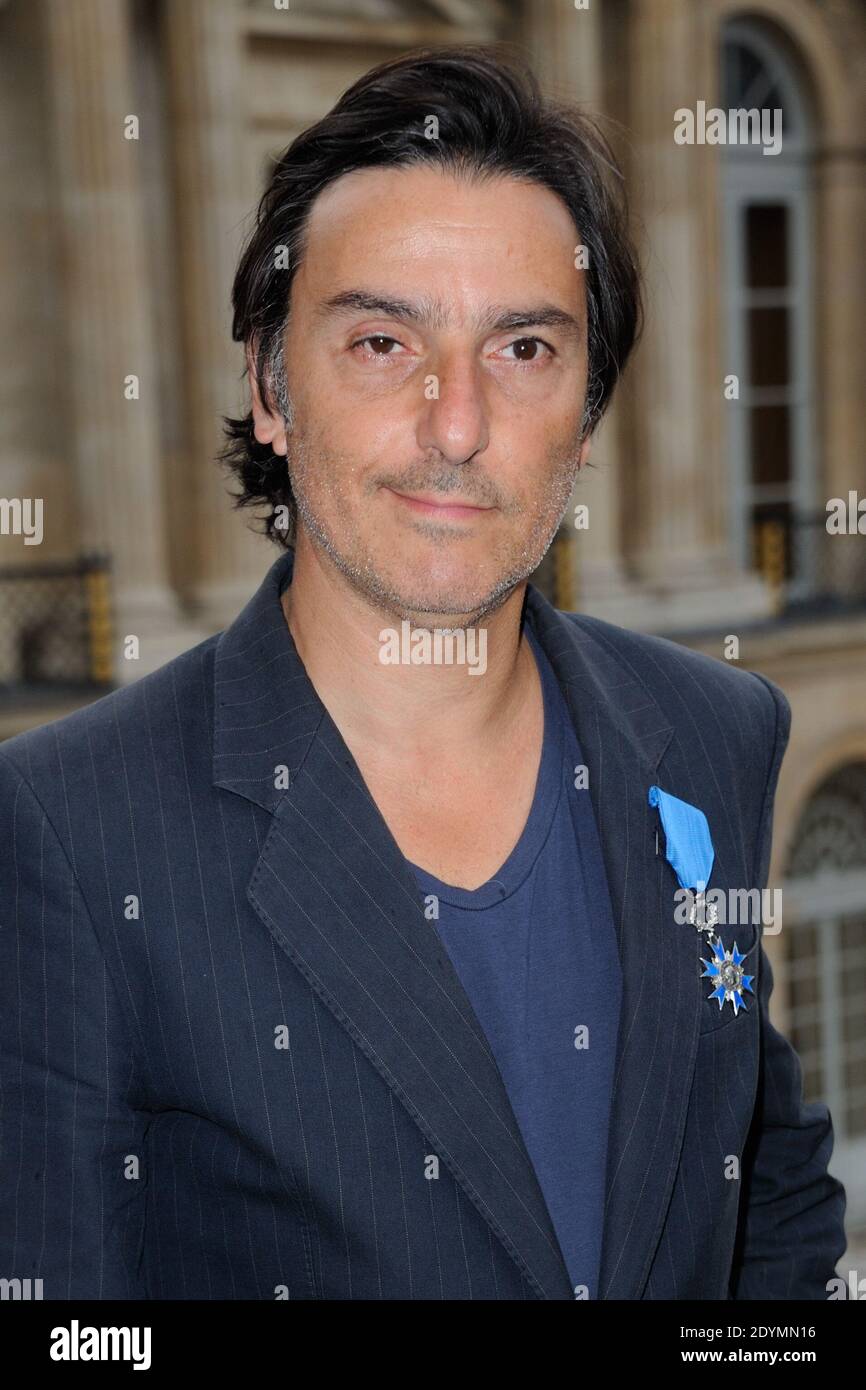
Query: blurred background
(138, 135)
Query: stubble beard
(307, 461)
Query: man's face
(436, 361)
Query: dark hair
(493, 120)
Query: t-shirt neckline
(548, 789)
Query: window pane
(766, 246)
(768, 347)
(741, 68)
(803, 990)
(852, 989)
(803, 943)
(769, 428)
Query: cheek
(547, 503)
(542, 467)
(327, 472)
(543, 434)
(362, 431)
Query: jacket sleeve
(72, 1163)
(792, 1214)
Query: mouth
(432, 506)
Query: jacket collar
(267, 711)
(334, 890)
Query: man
(341, 955)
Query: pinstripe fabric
(237, 1063)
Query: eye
(381, 342)
(529, 343)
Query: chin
(431, 588)
(450, 603)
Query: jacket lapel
(623, 736)
(333, 889)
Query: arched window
(824, 935)
(769, 315)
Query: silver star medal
(690, 853)
(726, 968)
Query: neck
(430, 709)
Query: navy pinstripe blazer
(237, 1062)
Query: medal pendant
(726, 972)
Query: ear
(584, 452)
(268, 428)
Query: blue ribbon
(689, 848)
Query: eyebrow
(430, 313)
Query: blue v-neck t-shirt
(536, 952)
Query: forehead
(420, 224)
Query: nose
(455, 420)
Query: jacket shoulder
(170, 706)
(687, 683)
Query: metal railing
(56, 626)
(806, 567)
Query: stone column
(677, 467)
(841, 203)
(679, 485)
(112, 441)
(842, 199)
(203, 41)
